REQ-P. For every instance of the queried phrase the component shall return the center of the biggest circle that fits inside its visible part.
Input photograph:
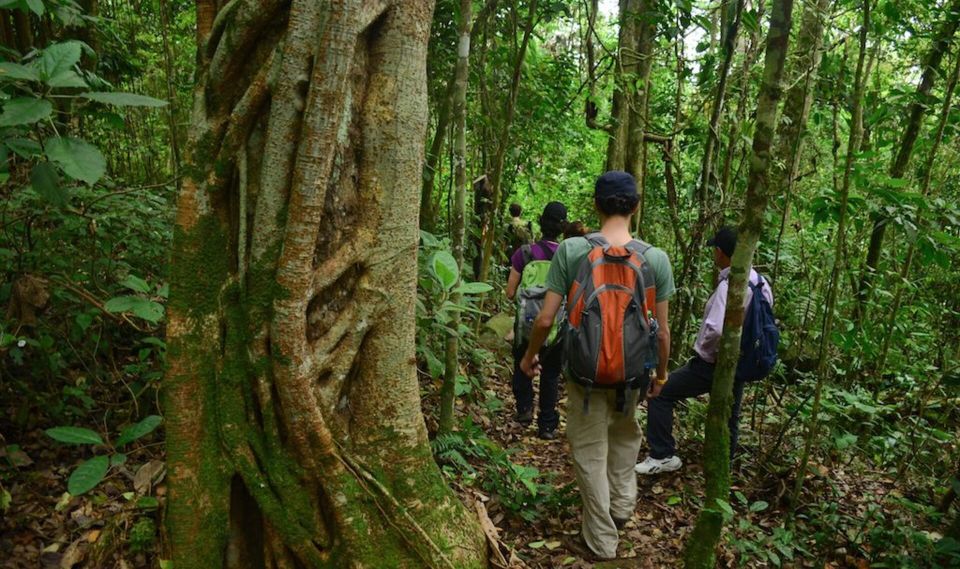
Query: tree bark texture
(701, 545)
(458, 223)
(826, 332)
(788, 151)
(624, 78)
(918, 109)
(295, 437)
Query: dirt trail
(653, 538)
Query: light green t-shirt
(572, 252)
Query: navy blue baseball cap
(615, 183)
(725, 240)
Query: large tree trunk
(788, 151)
(826, 333)
(294, 432)
(702, 543)
(918, 109)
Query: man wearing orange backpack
(617, 292)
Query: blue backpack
(759, 339)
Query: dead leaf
(73, 555)
(493, 535)
(147, 475)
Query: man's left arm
(530, 364)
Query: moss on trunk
(295, 434)
(701, 545)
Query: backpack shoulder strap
(639, 246)
(597, 239)
(526, 251)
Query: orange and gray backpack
(610, 340)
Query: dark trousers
(550, 358)
(693, 379)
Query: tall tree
(295, 437)
(624, 74)
(918, 109)
(489, 228)
(701, 545)
(796, 109)
(826, 333)
(927, 174)
(458, 229)
(689, 268)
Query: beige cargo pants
(604, 444)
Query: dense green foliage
(92, 106)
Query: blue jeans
(693, 379)
(551, 359)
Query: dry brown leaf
(73, 555)
(492, 534)
(147, 475)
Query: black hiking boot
(525, 417)
(547, 434)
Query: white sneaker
(657, 465)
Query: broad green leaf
(5, 499)
(74, 436)
(123, 99)
(725, 508)
(445, 269)
(58, 58)
(674, 500)
(473, 288)
(118, 459)
(140, 307)
(78, 158)
(134, 432)
(36, 6)
(23, 147)
(68, 78)
(46, 182)
(536, 544)
(25, 110)
(15, 71)
(136, 284)
(429, 240)
(759, 506)
(88, 475)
